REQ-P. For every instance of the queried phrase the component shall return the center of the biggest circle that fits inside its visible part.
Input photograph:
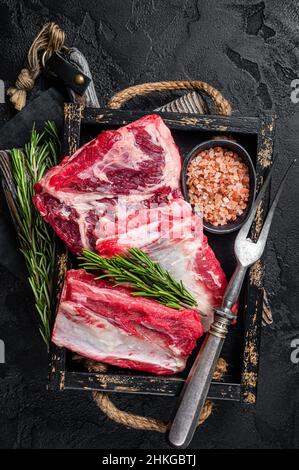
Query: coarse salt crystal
(218, 183)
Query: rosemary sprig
(36, 238)
(136, 270)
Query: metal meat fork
(198, 382)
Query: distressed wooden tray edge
(246, 391)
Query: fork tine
(243, 232)
(267, 224)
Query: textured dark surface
(248, 50)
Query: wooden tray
(241, 349)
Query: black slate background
(249, 51)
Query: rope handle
(133, 421)
(222, 105)
(49, 40)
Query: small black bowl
(234, 147)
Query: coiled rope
(144, 423)
(49, 40)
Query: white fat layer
(139, 226)
(102, 340)
(178, 259)
(82, 292)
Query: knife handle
(197, 385)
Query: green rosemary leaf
(36, 238)
(138, 271)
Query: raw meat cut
(108, 324)
(122, 189)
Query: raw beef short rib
(122, 189)
(108, 324)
